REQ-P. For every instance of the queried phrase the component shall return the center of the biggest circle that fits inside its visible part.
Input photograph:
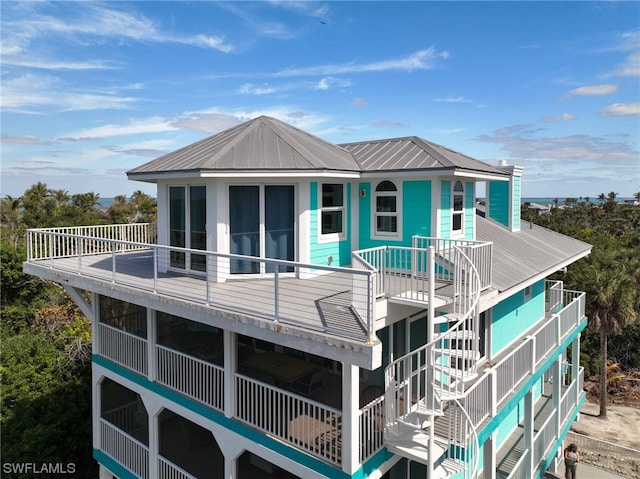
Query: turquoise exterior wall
(469, 210)
(445, 209)
(515, 205)
(499, 201)
(513, 316)
(416, 214)
(340, 250)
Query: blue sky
(91, 90)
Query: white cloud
(555, 119)
(251, 89)
(31, 93)
(420, 60)
(359, 101)
(522, 143)
(622, 109)
(327, 83)
(132, 127)
(593, 90)
(86, 24)
(453, 99)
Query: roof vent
(502, 163)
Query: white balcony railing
(124, 449)
(193, 377)
(330, 299)
(309, 425)
(168, 470)
(480, 253)
(123, 348)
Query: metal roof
(260, 144)
(267, 144)
(413, 153)
(523, 255)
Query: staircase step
(462, 375)
(459, 353)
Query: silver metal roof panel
(524, 254)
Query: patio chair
(311, 384)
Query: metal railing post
(276, 293)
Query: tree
(610, 299)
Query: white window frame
(457, 213)
(330, 237)
(397, 235)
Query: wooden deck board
(321, 302)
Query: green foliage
(45, 368)
(610, 276)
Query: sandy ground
(622, 425)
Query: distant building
(539, 209)
(304, 309)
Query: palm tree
(611, 298)
(602, 197)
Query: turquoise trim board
(120, 471)
(504, 411)
(237, 427)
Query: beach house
(303, 309)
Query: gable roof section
(260, 144)
(534, 250)
(413, 153)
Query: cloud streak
(426, 59)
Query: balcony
(341, 302)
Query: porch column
(575, 366)
(154, 443)
(489, 456)
(556, 395)
(229, 342)
(350, 423)
(528, 433)
(152, 371)
(230, 467)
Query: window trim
(338, 236)
(457, 213)
(397, 235)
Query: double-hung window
(386, 209)
(457, 220)
(332, 213)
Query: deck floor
(321, 302)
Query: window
(332, 213)
(527, 293)
(457, 220)
(386, 209)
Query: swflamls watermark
(38, 468)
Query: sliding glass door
(187, 226)
(261, 224)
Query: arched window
(386, 209)
(457, 220)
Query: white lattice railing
(309, 425)
(168, 470)
(124, 449)
(193, 377)
(122, 347)
(371, 419)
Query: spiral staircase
(424, 418)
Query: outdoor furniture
(311, 384)
(285, 370)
